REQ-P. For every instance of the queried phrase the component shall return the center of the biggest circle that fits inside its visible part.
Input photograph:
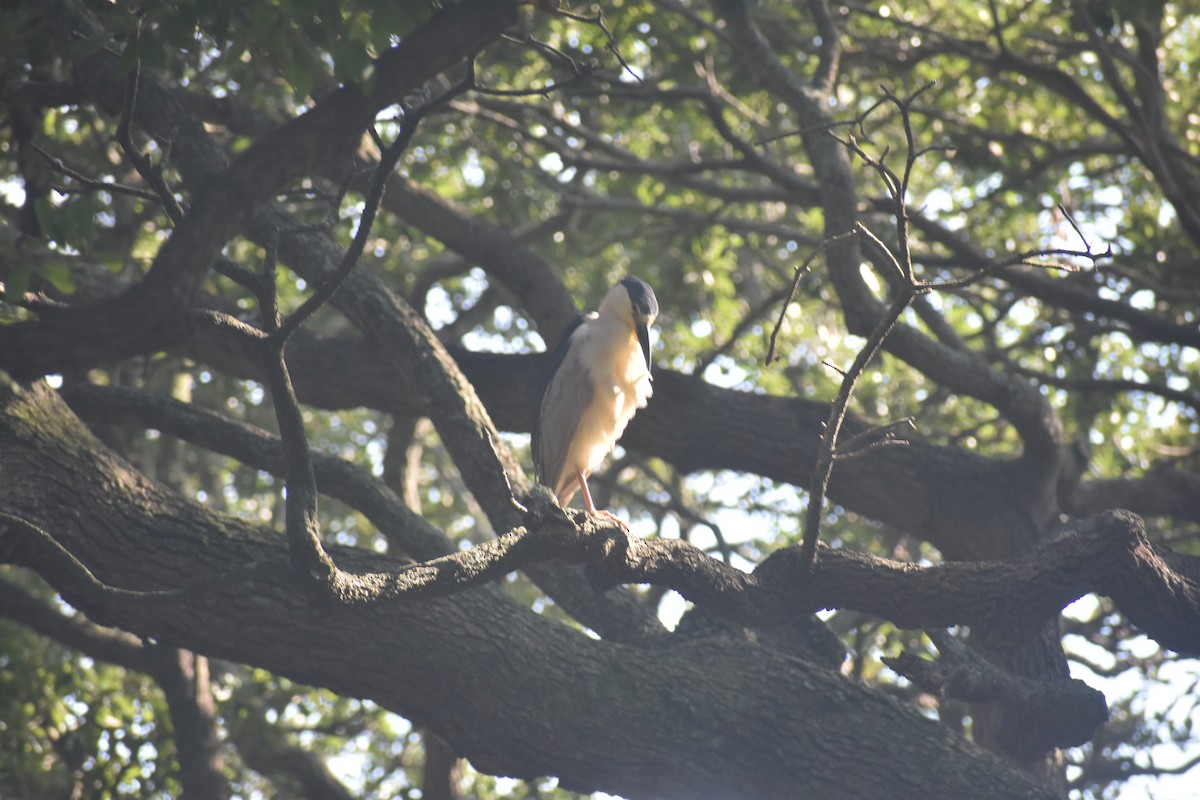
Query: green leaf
(17, 282)
(301, 73)
(79, 220)
(60, 277)
(48, 218)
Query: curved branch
(962, 371)
(149, 317)
(406, 531)
(76, 632)
(618, 617)
(1068, 711)
(1164, 491)
(421, 659)
(1157, 590)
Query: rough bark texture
(152, 312)
(707, 717)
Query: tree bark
(517, 693)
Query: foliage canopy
(1025, 182)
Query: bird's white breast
(621, 385)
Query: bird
(598, 378)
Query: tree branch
(1070, 710)
(539, 672)
(149, 316)
(1108, 554)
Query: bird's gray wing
(568, 392)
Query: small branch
(387, 163)
(581, 72)
(309, 558)
(89, 184)
(611, 42)
(867, 449)
(391, 154)
(141, 162)
(228, 325)
(823, 469)
(312, 564)
(747, 323)
(1098, 771)
(828, 451)
(906, 285)
(863, 438)
(1029, 258)
(406, 532)
(830, 53)
(75, 632)
(237, 273)
(1186, 397)
(46, 549)
(801, 271)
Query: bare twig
(874, 437)
(826, 454)
(86, 183)
(747, 323)
(141, 161)
(907, 287)
(309, 558)
(801, 271)
(611, 42)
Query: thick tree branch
(1070, 710)
(149, 316)
(619, 617)
(183, 677)
(103, 644)
(1011, 600)
(426, 655)
(963, 371)
(487, 468)
(1164, 491)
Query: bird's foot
(600, 512)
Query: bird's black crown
(645, 304)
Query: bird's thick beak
(643, 334)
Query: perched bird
(599, 377)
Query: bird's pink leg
(590, 507)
